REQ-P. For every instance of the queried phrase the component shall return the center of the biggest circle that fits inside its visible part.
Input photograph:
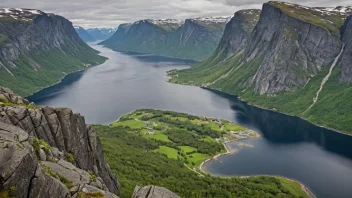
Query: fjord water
(290, 147)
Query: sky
(111, 13)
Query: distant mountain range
(291, 58)
(188, 39)
(38, 49)
(94, 34)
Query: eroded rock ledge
(51, 152)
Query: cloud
(111, 13)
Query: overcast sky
(111, 13)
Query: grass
(214, 126)
(8, 193)
(170, 152)
(97, 194)
(37, 143)
(160, 136)
(234, 127)
(133, 124)
(331, 22)
(70, 157)
(187, 149)
(292, 186)
(198, 158)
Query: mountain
(83, 34)
(189, 39)
(101, 33)
(38, 49)
(94, 34)
(296, 60)
(52, 152)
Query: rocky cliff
(237, 32)
(189, 39)
(296, 60)
(37, 49)
(346, 57)
(292, 49)
(49, 152)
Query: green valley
(167, 147)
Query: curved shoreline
(261, 107)
(303, 187)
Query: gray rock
(346, 57)
(91, 189)
(43, 185)
(289, 51)
(42, 155)
(153, 192)
(64, 131)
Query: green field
(161, 137)
(170, 152)
(138, 160)
(133, 124)
(181, 136)
(186, 149)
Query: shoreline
(303, 187)
(261, 107)
(62, 78)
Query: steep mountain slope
(189, 39)
(38, 49)
(83, 34)
(101, 33)
(297, 60)
(232, 43)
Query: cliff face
(189, 39)
(37, 49)
(346, 57)
(49, 152)
(292, 50)
(238, 31)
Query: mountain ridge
(286, 62)
(38, 49)
(188, 39)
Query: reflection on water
(289, 146)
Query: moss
(331, 22)
(64, 180)
(93, 177)
(97, 194)
(37, 143)
(8, 193)
(70, 157)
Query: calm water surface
(290, 147)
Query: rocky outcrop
(237, 32)
(48, 152)
(346, 57)
(190, 39)
(153, 192)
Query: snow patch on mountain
(19, 13)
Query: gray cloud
(111, 13)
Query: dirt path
(315, 99)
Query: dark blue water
(289, 147)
